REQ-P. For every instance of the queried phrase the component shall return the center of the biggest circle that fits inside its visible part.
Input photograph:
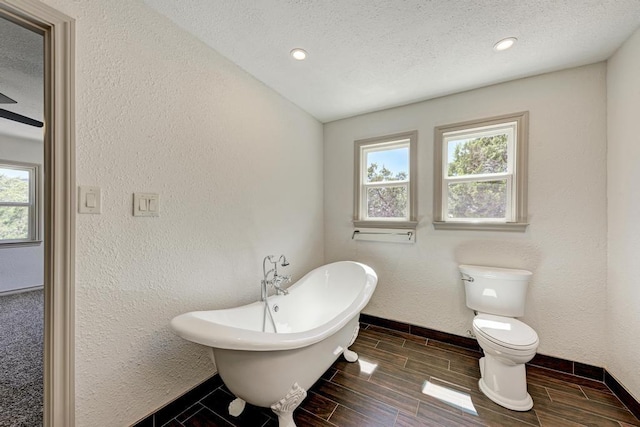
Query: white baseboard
(19, 291)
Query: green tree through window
(386, 202)
(14, 220)
(480, 174)
(478, 199)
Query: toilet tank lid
(491, 272)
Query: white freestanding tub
(315, 323)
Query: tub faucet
(276, 280)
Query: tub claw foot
(284, 407)
(351, 356)
(236, 407)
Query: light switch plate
(89, 200)
(146, 204)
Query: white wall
(21, 267)
(565, 245)
(239, 173)
(623, 292)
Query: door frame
(60, 201)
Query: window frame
(517, 170)
(387, 142)
(33, 205)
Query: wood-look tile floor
(403, 380)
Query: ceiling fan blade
(20, 118)
(4, 99)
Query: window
(19, 217)
(481, 174)
(385, 181)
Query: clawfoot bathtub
(314, 324)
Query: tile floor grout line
(436, 367)
(537, 416)
(439, 349)
(426, 354)
(583, 393)
(368, 398)
(449, 409)
(395, 421)
(400, 392)
(421, 373)
(195, 413)
(324, 397)
(332, 412)
(186, 409)
(514, 418)
(587, 411)
(607, 403)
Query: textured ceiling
(21, 77)
(367, 55)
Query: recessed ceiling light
(504, 44)
(299, 54)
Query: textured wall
(623, 292)
(239, 173)
(565, 245)
(21, 267)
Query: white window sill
(17, 244)
(481, 226)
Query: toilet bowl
(497, 295)
(507, 344)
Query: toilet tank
(494, 290)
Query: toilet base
(504, 384)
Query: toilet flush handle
(467, 278)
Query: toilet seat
(506, 332)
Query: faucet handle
(277, 281)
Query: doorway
(57, 231)
(21, 223)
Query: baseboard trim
(621, 392)
(566, 366)
(180, 403)
(21, 290)
(420, 331)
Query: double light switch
(146, 204)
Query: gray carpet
(21, 350)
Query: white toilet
(497, 295)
